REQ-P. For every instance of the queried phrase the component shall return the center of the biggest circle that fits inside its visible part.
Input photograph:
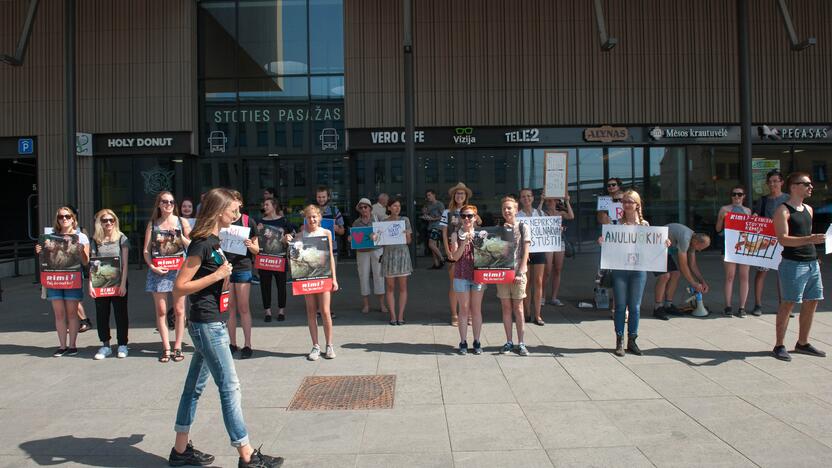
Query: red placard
(270, 262)
(493, 276)
(106, 292)
(61, 280)
(752, 224)
(311, 286)
(225, 299)
(171, 263)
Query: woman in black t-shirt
(205, 279)
(274, 240)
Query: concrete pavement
(706, 392)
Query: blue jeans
(212, 356)
(628, 289)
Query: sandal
(539, 322)
(165, 357)
(178, 356)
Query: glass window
(282, 88)
(327, 87)
(220, 91)
(326, 34)
(262, 135)
(450, 168)
(273, 39)
(712, 172)
(765, 159)
(665, 193)
(217, 24)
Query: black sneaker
(463, 348)
(233, 348)
(59, 352)
(660, 314)
(727, 312)
(672, 310)
(267, 318)
(780, 353)
(259, 460)
(741, 312)
(477, 347)
(190, 456)
(808, 349)
(246, 353)
(757, 310)
(71, 352)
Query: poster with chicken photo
(167, 249)
(272, 254)
(750, 240)
(105, 275)
(494, 255)
(310, 265)
(60, 261)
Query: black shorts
(671, 266)
(537, 258)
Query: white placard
(389, 232)
(546, 233)
(615, 210)
(635, 248)
(555, 174)
(232, 239)
(751, 240)
(828, 242)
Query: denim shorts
(241, 276)
(800, 281)
(464, 285)
(64, 294)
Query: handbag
(568, 249)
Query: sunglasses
(737, 194)
(612, 185)
(108, 221)
(805, 184)
(64, 217)
(166, 202)
(467, 216)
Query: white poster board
(828, 242)
(615, 210)
(750, 240)
(389, 232)
(232, 239)
(634, 248)
(555, 165)
(546, 233)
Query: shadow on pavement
(416, 349)
(702, 357)
(82, 450)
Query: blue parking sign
(25, 146)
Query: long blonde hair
(56, 227)
(214, 203)
(636, 198)
(98, 235)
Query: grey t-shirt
(435, 210)
(680, 236)
(110, 249)
(770, 205)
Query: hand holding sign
(389, 232)
(232, 239)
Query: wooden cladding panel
(538, 62)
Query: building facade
(292, 94)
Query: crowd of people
(186, 265)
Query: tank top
(800, 225)
(464, 268)
(737, 209)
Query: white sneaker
(330, 353)
(103, 352)
(314, 354)
(122, 352)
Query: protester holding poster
(736, 206)
(615, 190)
(205, 279)
(319, 300)
(511, 295)
(765, 207)
(396, 265)
(108, 281)
(241, 275)
(165, 241)
(272, 230)
(532, 304)
(469, 293)
(554, 260)
(799, 270)
(450, 222)
(368, 259)
(61, 255)
(323, 195)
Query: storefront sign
(686, 133)
(606, 134)
(141, 143)
(277, 114)
(387, 137)
(527, 135)
(809, 133)
(18, 146)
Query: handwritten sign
(751, 240)
(546, 233)
(555, 174)
(232, 239)
(389, 232)
(615, 210)
(634, 248)
(361, 237)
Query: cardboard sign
(105, 275)
(60, 261)
(310, 265)
(546, 233)
(361, 237)
(615, 210)
(495, 250)
(167, 250)
(390, 232)
(555, 168)
(634, 248)
(233, 238)
(751, 240)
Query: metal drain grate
(344, 393)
